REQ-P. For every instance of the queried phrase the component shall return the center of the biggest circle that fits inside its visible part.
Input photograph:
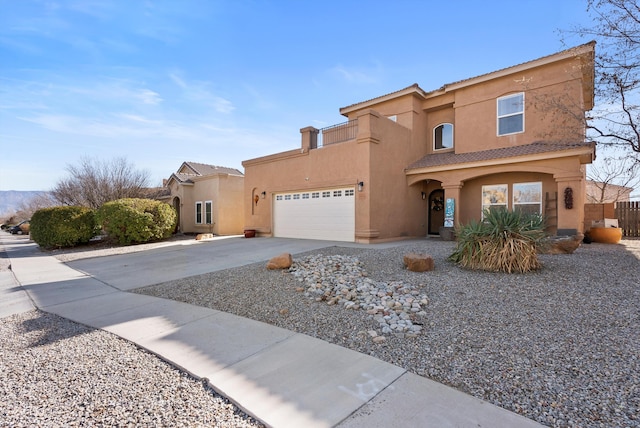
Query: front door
(436, 211)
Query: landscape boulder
(562, 244)
(419, 262)
(283, 261)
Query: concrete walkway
(282, 378)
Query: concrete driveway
(189, 258)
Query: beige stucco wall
(386, 207)
(229, 211)
(390, 205)
(544, 88)
(226, 194)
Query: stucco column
(571, 207)
(368, 127)
(452, 190)
(309, 138)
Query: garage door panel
(330, 215)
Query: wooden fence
(628, 215)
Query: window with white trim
(337, 193)
(349, 192)
(494, 197)
(527, 197)
(511, 114)
(279, 198)
(443, 136)
(198, 212)
(287, 197)
(208, 212)
(315, 195)
(296, 196)
(305, 196)
(326, 194)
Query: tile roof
(182, 178)
(452, 158)
(415, 88)
(570, 50)
(203, 169)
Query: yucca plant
(504, 241)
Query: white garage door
(323, 214)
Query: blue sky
(218, 82)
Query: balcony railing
(338, 133)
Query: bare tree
(93, 182)
(28, 207)
(616, 119)
(612, 178)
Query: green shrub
(133, 221)
(59, 227)
(503, 241)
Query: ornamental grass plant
(504, 241)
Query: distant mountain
(11, 200)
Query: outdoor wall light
(264, 194)
(360, 186)
(424, 195)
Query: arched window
(443, 136)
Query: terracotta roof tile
(418, 89)
(414, 86)
(182, 178)
(203, 169)
(452, 158)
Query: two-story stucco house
(207, 198)
(410, 162)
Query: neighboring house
(602, 193)
(412, 161)
(207, 198)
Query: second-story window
(511, 114)
(443, 136)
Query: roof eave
(411, 90)
(585, 154)
(585, 49)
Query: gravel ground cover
(59, 373)
(560, 346)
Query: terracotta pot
(605, 235)
(249, 233)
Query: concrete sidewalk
(282, 378)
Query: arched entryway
(176, 206)
(436, 211)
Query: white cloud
(139, 119)
(148, 96)
(354, 75)
(178, 80)
(198, 92)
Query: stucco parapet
(309, 129)
(368, 127)
(275, 157)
